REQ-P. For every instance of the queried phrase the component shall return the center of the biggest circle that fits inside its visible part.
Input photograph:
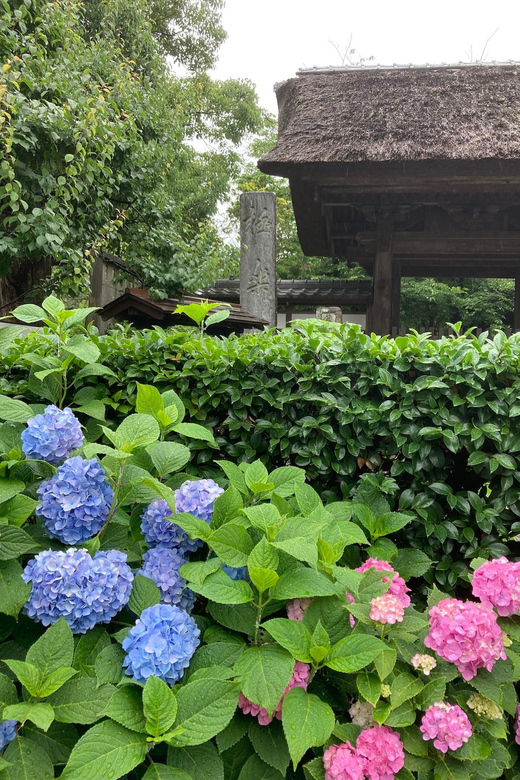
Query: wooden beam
(516, 322)
(396, 295)
(383, 279)
(487, 244)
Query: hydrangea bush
(232, 628)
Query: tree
(98, 141)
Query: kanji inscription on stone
(258, 254)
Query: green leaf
(285, 480)
(262, 516)
(411, 563)
(57, 741)
(56, 679)
(302, 583)
(226, 507)
(233, 732)
(88, 648)
(28, 761)
(369, 686)
(232, 544)
(200, 762)
(307, 498)
(270, 744)
(194, 431)
(194, 526)
(14, 592)
(365, 516)
(8, 693)
(205, 707)
(222, 589)
(160, 706)
(27, 674)
(14, 542)
(55, 648)
(10, 488)
(314, 770)
(307, 722)
(17, 509)
(475, 749)
(108, 664)
(145, 593)
(76, 316)
(256, 474)
(137, 430)
(432, 692)
(85, 351)
(389, 523)
(450, 769)
(264, 556)
(198, 570)
(126, 708)
(264, 673)
(401, 716)
(80, 700)
(413, 741)
(107, 750)
(168, 456)
(404, 687)
(256, 769)
(149, 400)
(385, 662)
(41, 714)
(29, 313)
(353, 653)
(218, 316)
(172, 404)
(235, 476)
(94, 369)
(53, 306)
(163, 772)
(13, 410)
(292, 635)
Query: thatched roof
(399, 114)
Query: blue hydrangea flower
(7, 732)
(161, 643)
(76, 501)
(162, 565)
(197, 497)
(52, 436)
(83, 590)
(238, 573)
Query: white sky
(269, 40)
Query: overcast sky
(269, 40)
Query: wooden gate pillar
(516, 320)
(384, 271)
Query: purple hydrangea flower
(76, 501)
(162, 565)
(197, 497)
(236, 573)
(83, 590)
(52, 436)
(161, 643)
(7, 732)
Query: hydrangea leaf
(27, 674)
(404, 687)
(137, 430)
(145, 593)
(270, 744)
(17, 509)
(369, 686)
(163, 772)
(88, 648)
(264, 673)
(292, 635)
(314, 770)
(28, 761)
(106, 750)
(302, 583)
(234, 732)
(194, 431)
(14, 592)
(126, 708)
(14, 410)
(15, 542)
(221, 588)
(205, 707)
(80, 700)
(285, 480)
(168, 456)
(108, 664)
(159, 705)
(39, 713)
(57, 741)
(307, 722)
(10, 488)
(55, 648)
(149, 400)
(232, 544)
(432, 692)
(353, 653)
(226, 507)
(256, 769)
(200, 762)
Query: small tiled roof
(136, 305)
(301, 292)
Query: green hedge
(436, 423)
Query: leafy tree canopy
(100, 141)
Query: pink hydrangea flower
(387, 609)
(297, 608)
(426, 663)
(466, 634)
(497, 584)
(517, 726)
(341, 762)
(351, 600)
(397, 587)
(361, 713)
(299, 679)
(381, 752)
(448, 726)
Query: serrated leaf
(55, 648)
(307, 722)
(56, 679)
(159, 705)
(168, 456)
(137, 430)
(108, 664)
(39, 713)
(14, 410)
(270, 744)
(144, 594)
(163, 772)
(28, 761)
(292, 635)
(126, 708)
(15, 542)
(80, 700)
(106, 750)
(264, 673)
(194, 431)
(201, 762)
(205, 708)
(432, 692)
(302, 583)
(232, 544)
(14, 592)
(219, 587)
(27, 674)
(369, 686)
(404, 687)
(256, 769)
(354, 653)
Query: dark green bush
(435, 423)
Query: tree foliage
(99, 140)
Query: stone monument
(258, 255)
(329, 313)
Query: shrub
(436, 423)
(303, 655)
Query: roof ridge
(407, 66)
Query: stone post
(258, 255)
(329, 313)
